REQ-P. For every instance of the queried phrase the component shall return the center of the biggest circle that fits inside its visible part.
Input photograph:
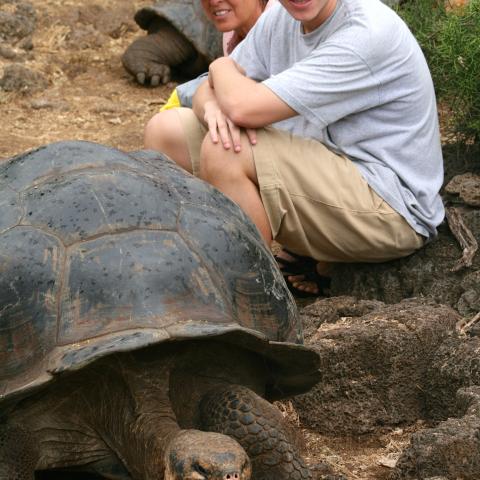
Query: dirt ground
(86, 94)
(77, 47)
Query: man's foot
(305, 277)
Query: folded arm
(246, 102)
(229, 100)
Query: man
(339, 156)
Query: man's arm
(247, 103)
(203, 95)
(220, 126)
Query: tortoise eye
(198, 468)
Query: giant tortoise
(180, 40)
(144, 325)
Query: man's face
(312, 13)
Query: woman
(234, 18)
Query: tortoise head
(196, 455)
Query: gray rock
(466, 187)
(49, 104)
(373, 364)
(469, 300)
(7, 52)
(384, 365)
(18, 78)
(16, 25)
(455, 364)
(451, 450)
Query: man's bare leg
(234, 174)
(164, 133)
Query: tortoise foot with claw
(180, 43)
(259, 427)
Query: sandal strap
(306, 266)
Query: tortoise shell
(103, 251)
(188, 17)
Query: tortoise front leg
(259, 428)
(18, 454)
(151, 58)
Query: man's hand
(221, 128)
(247, 102)
(217, 121)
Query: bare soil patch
(88, 95)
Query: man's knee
(220, 164)
(214, 159)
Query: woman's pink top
(231, 39)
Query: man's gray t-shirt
(361, 86)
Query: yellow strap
(172, 102)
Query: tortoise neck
(147, 440)
(153, 423)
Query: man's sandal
(307, 267)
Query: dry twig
(465, 325)
(464, 237)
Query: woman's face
(238, 15)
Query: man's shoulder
(370, 29)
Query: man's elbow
(234, 110)
(243, 116)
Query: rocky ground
(75, 86)
(61, 78)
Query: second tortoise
(180, 42)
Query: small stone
(7, 52)
(47, 103)
(18, 78)
(467, 187)
(26, 43)
(18, 24)
(388, 461)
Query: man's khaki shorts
(317, 202)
